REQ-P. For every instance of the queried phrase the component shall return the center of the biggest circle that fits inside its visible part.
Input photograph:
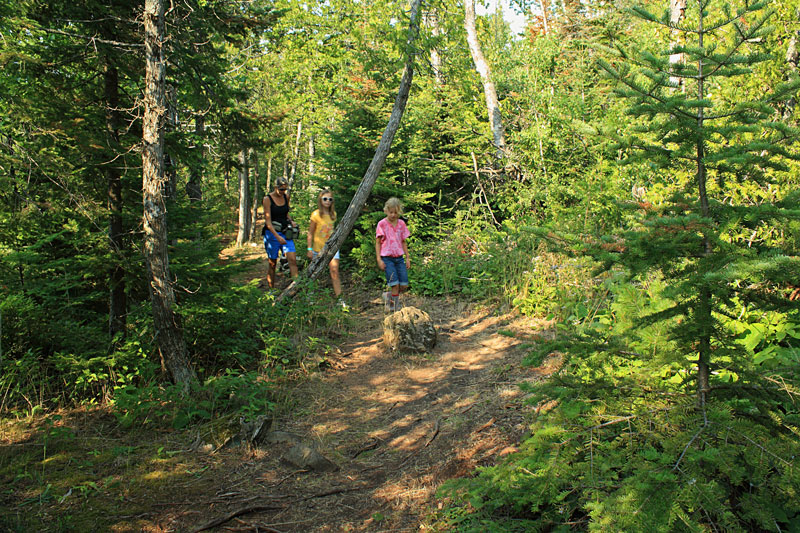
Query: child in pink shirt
(391, 252)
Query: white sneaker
(341, 303)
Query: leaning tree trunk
(489, 92)
(244, 199)
(167, 322)
(360, 197)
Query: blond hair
(393, 203)
(331, 209)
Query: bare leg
(292, 258)
(271, 273)
(333, 266)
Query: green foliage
(245, 393)
(618, 445)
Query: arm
(312, 226)
(405, 253)
(381, 265)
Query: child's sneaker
(341, 303)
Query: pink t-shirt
(392, 237)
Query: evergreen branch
(694, 437)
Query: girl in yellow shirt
(320, 228)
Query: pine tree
(713, 144)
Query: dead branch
(239, 512)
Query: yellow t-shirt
(322, 231)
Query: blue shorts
(315, 254)
(273, 247)
(396, 272)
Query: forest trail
(396, 426)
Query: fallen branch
(435, 432)
(486, 425)
(238, 512)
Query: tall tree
(243, 234)
(489, 91)
(693, 239)
(167, 321)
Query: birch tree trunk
(169, 337)
(489, 92)
(312, 153)
(677, 10)
(545, 19)
(244, 199)
(432, 20)
(348, 220)
(793, 60)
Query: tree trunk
(244, 199)
(347, 222)
(117, 301)
(256, 181)
(489, 92)
(793, 59)
(312, 153)
(432, 20)
(167, 323)
(268, 183)
(296, 152)
(194, 189)
(545, 19)
(705, 296)
(677, 10)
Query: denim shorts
(396, 272)
(273, 247)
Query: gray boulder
(409, 330)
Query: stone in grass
(409, 330)
(231, 430)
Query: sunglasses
(282, 189)
(327, 199)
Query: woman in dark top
(276, 209)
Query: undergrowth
(620, 443)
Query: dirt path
(395, 426)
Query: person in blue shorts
(276, 210)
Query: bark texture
(677, 11)
(167, 322)
(117, 303)
(194, 188)
(244, 199)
